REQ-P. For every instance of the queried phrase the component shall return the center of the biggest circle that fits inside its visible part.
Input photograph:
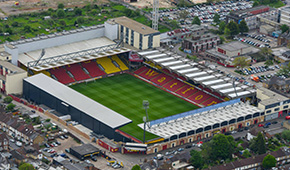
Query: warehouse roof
(78, 100)
(233, 46)
(85, 149)
(134, 25)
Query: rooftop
(85, 149)
(134, 25)
(11, 67)
(78, 100)
(250, 9)
(234, 46)
(272, 97)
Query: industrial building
(84, 151)
(273, 103)
(11, 78)
(200, 43)
(251, 15)
(42, 89)
(224, 54)
(136, 34)
(284, 15)
(202, 123)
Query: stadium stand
(186, 91)
(107, 64)
(61, 75)
(161, 79)
(211, 101)
(119, 62)
(199, 97)
(174, 85)
(149, 74)
(77, 72)
(93, 69)
(140, 70)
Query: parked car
(180, 149)
(275, 122)
(267, 124)
(260, 125)
(187, 146)
(287, 117)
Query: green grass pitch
(125, 94)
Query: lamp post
(145, 118)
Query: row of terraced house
(18, 129)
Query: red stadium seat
(161, 79)
(174, 85)
(93, 69)
(199, 97)
(61, 75)
(140, 70)
(211, 101)
(149, 74)
(77, 72)
(186, 91)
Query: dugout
(84, 151)
(42, 89)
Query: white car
(233, 132)
(18, 144)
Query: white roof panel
(163, 59)
(148, 52)
(179, 67)
(195, 74)
(230, 90)
(189, 70)
(204, 78)
(155, 56)
(221, 86)
(171, 63)
(78, 100)
(233, 95)
(207, 83)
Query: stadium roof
(134, 25)
(200, 74)
(71, 53)
(202, 118)
(78, 100)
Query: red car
(260, 125)
(287, 117)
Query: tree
(78, 12)
(183, 14)
(261, 146)
(286, 135)
(26, 166)
(27, 29)
(256, 3)
(60, 13)
(220, 147)
(196, 159)
(243, 27)
(246, 154)
(216, 18)
(222, 26)
(222, 39)
(284, 28)
(233, 27)
(60, 6)
(174, 24)
(269, 63)
(196, 20)
(62, 23)
(10, 106)
(80, 20)
(269, 161)
(8, 99)
(227, 32)
(136, 167)
(241, 62)
(183, 3)
(15, 24)
(266, 52)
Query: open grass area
(125, 94)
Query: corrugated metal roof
(78, 100)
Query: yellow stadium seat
(107, 64)
(121, 64)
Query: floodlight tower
(145, 118)
(155, 14)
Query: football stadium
(91, 75)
